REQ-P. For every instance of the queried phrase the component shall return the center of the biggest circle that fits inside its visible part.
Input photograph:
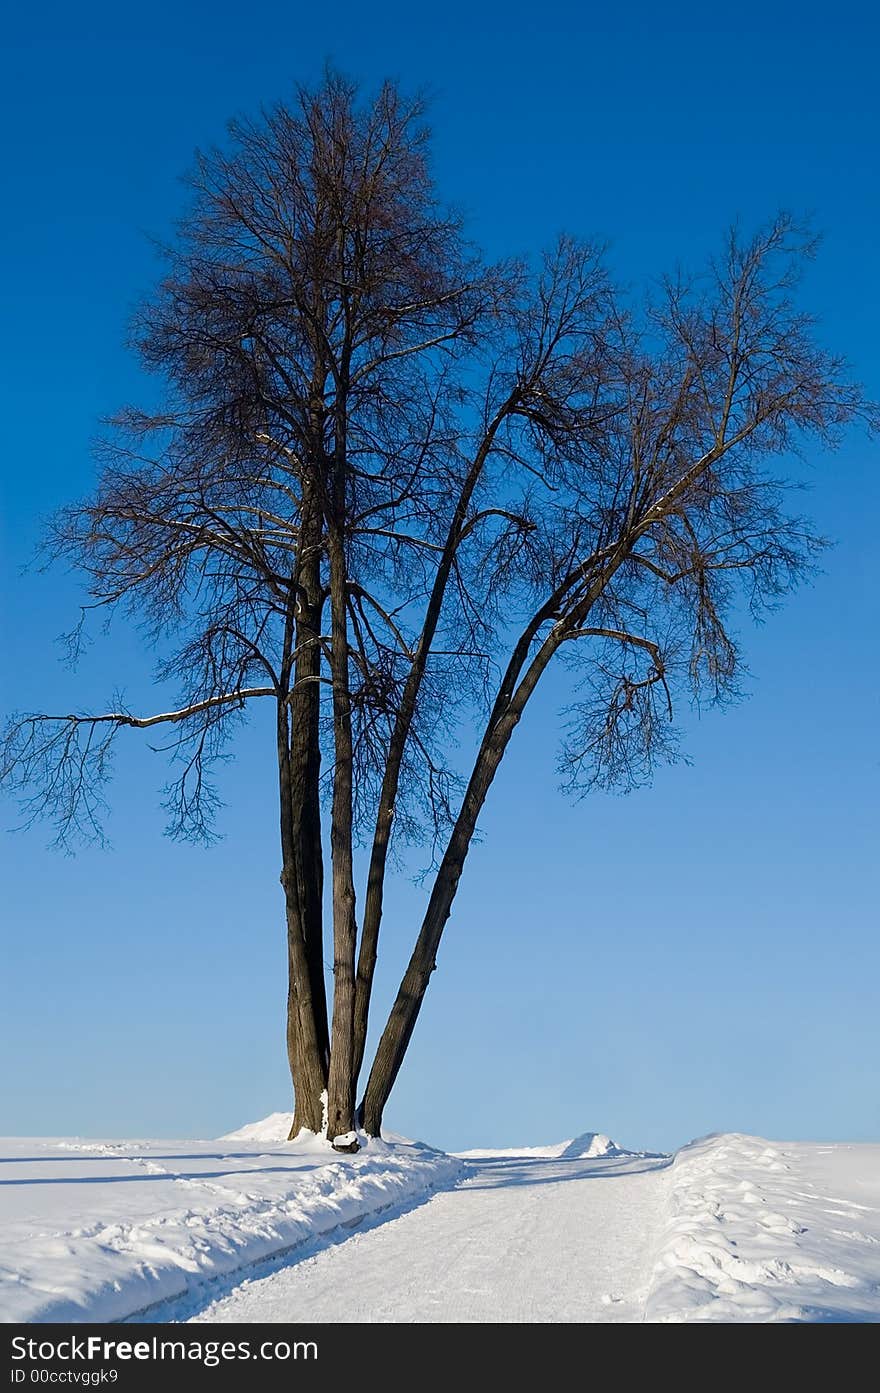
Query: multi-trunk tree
(389, 485)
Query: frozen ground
(733, 1228)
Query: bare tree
(389, 486)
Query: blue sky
(700, 956)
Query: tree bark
(307, 1062)
(341, 1084)
(305, 762)
(299, 756)
(408, 1003)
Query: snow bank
(760, 1231)
(584, 1147)
(96, 1231)
(271, 1129)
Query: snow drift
(96, 1231)
(585, 1147)
(761, 1231)
(272, 1129)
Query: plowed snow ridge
(733, 1228)
(519, 1239)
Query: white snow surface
(251, 1227)
(587, 1146)
(274, 1128)
(519, 1239)
(96, 1231)
(769, 1231)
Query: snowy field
(100, 1230)
(253, 1228)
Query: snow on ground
(252, 1227)
(733, 1228)
(761, 1231)
(521, 1238)
(274, 1128)
(99, 1230)
(588, 1145)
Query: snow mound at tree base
(587, 1146)
(275, 1129)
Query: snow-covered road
(520, 1239)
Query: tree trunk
(299, 755)
(305, 763)
(341, 1084)
(305, 1055)
(306, 1071)
(507, 710)
(307, 1011)
(517, 685)
(408, 1003)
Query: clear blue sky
(700, 956)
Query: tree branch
(122, 718)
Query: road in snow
(254, 1228)
(521, 1239)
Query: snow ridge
(274, 1129)
(585, 1147)
(187, 1213)
(757, 1231)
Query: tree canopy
(389, 484)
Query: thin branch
(122, 718)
